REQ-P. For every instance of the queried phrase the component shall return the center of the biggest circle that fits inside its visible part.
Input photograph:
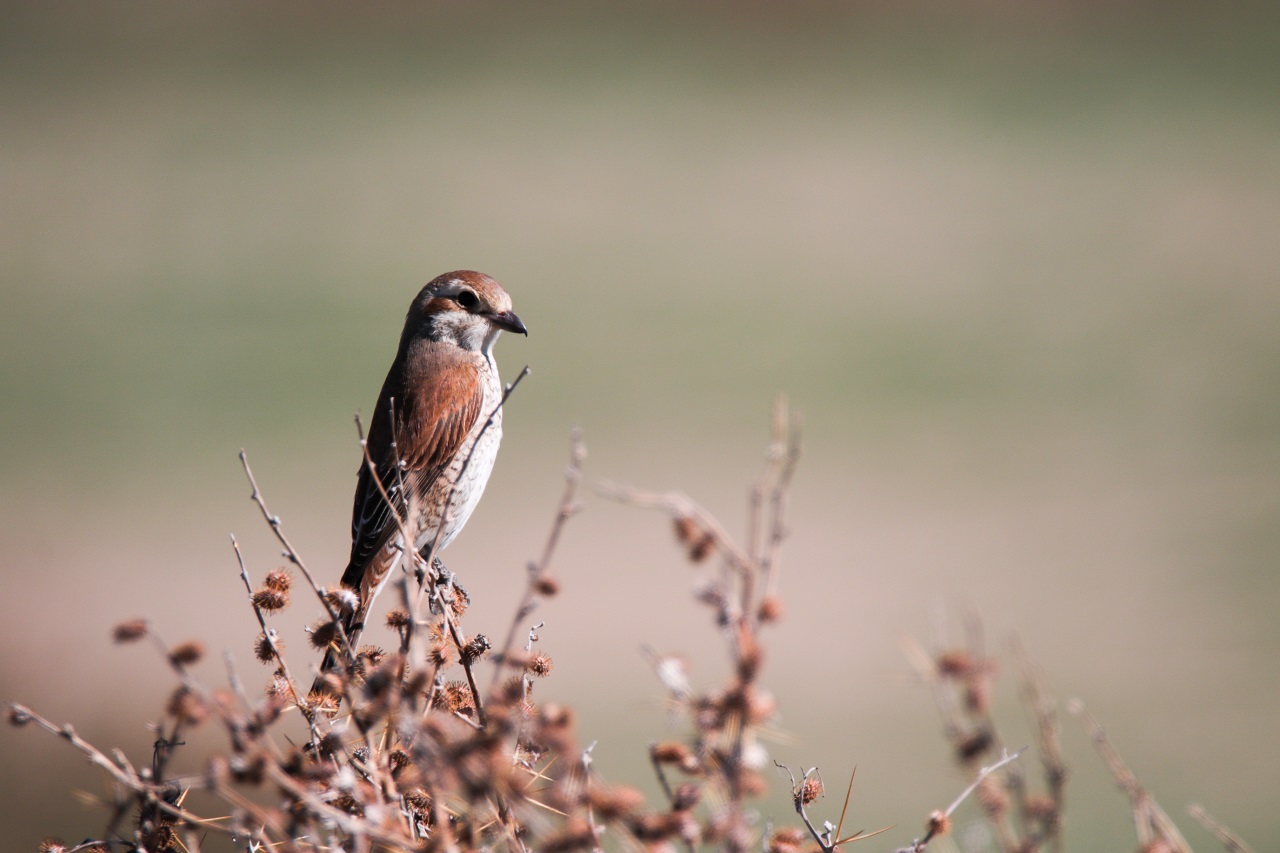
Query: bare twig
(1044, 712)
(291, 553)
(152, 794)
(1150, 821)
(1230, 841)
(270, 635)
(829, 839)
(565, 510)
(1007, 758)
(785, 455)
(940, 822)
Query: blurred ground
(1015, 263)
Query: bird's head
(464, 308)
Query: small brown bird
(438, 394)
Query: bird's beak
(507, 320)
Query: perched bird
(441, 389)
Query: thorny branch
(1232, 842)
(514, 776)
(1150, 821)
(537, 579)
(291, 553)
(269, 637)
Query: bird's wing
(433, 420)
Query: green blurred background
(1016, 263)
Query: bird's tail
(352, 625)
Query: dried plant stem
(940, 821)
(1230, 841)
(123, 775)
(828, 840)
(1006, 758)
(679, 504)
(1150, 821)
(783, 457)
(291, 553)
(1043, 710)
(270, 636)
(565, 510)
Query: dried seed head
(709, 713)
(786, 840)
(674, 752)
(218, 772)
(750, 655)
(614, 802)
(398, 618)
(52, 845)
(279, 688)
(348, 804)
(250, 769)
(187, 707)
(685, 797)
(329, 685)
(711, 594)
(269, 600)
(557, 716)
(187, 653)
(668, 752)
(456, 697)
(323, 634)
(655, 828)
(938, 824)
(18, 715)
(539, 664)
(698, 542)
(974, 745)
(977, 693)
(343, 600)
(475, 649)
(439, 652)
(397, 760)
(459, 603)
(993, 796)
(329, 745)
(954, 664)
(555, 726)
(574, 834)
(761, 707)
(418, 801)
(1039, 807)
(546, 586)
(128, 631)
(771, 609)
(263, 650)
(810, 790)
(278, 579)
(371, 655)
(752, 784)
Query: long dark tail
(352, 626)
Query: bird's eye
(468, 299)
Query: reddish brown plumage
(441, 388)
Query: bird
(431, 421)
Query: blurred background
(1015, 263)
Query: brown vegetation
(404, 750)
